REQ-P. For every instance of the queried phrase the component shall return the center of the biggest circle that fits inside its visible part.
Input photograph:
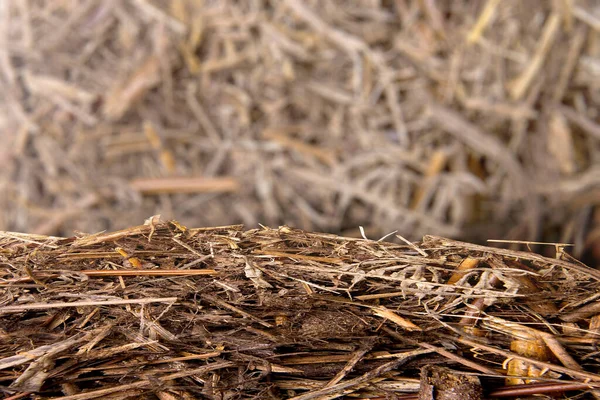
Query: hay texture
(160, 311)
(463, 118)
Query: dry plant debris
(464, 118)
(164, 311)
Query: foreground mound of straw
(163, 311)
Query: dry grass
(464, 119)
(163, 311)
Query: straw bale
(164, 311)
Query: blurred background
(469, 119)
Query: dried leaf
(255, 275)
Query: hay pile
(465, 118)
(163, 311)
